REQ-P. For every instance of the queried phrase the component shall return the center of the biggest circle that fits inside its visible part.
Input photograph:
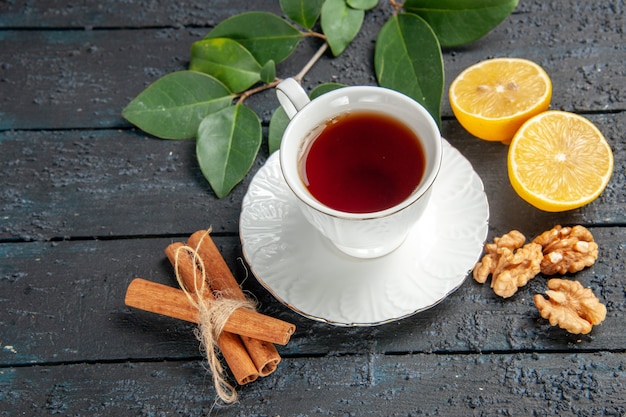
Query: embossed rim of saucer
(304, 271)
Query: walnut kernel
(570, 306)
(567, 249)
(512, 240)
(510, 264)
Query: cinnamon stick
(264, 355)
(230, 344)
(217, 271)
(242, 321)
(237, 358)
(160, 299)
(172, 302)
(221, 280)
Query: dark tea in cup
(362, 162)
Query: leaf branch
(315, 34)
(298, 77)
(397, 5)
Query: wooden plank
(91, 14)
(70, 298)
(106, 183)
(83, 79)
(78, 79)
(364, 385)
(59, 184)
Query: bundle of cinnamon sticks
(247, 340)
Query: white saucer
(303, 270)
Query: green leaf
(303, 12)
(173, 106)
(268, 72)
(227, 145)
(340, 24)
(324, 88)
(407, 58)
(226, 60)
(278, 124)
(280, 120)
(362, 4)
(461, 22)
(265, 35)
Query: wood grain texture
(80, 79)
(90, 14)
(70, 297)
(59, 184)
(364, 385)
(87, 203)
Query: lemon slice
(559, 161)
(493, 98)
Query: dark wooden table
(88, 203)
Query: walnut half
(570, 306)
(510, 263)
(567, 249)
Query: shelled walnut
(567, 249)
(570, 306)
(510, 263)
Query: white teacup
(362, 235)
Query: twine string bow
(212, 316)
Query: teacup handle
(291, 96)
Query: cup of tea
(361, 161)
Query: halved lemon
(493, 98)
(559, 161)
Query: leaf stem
(258, 89)
(298, 77)
(315, 34)
(311, 62)
(397, 5)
